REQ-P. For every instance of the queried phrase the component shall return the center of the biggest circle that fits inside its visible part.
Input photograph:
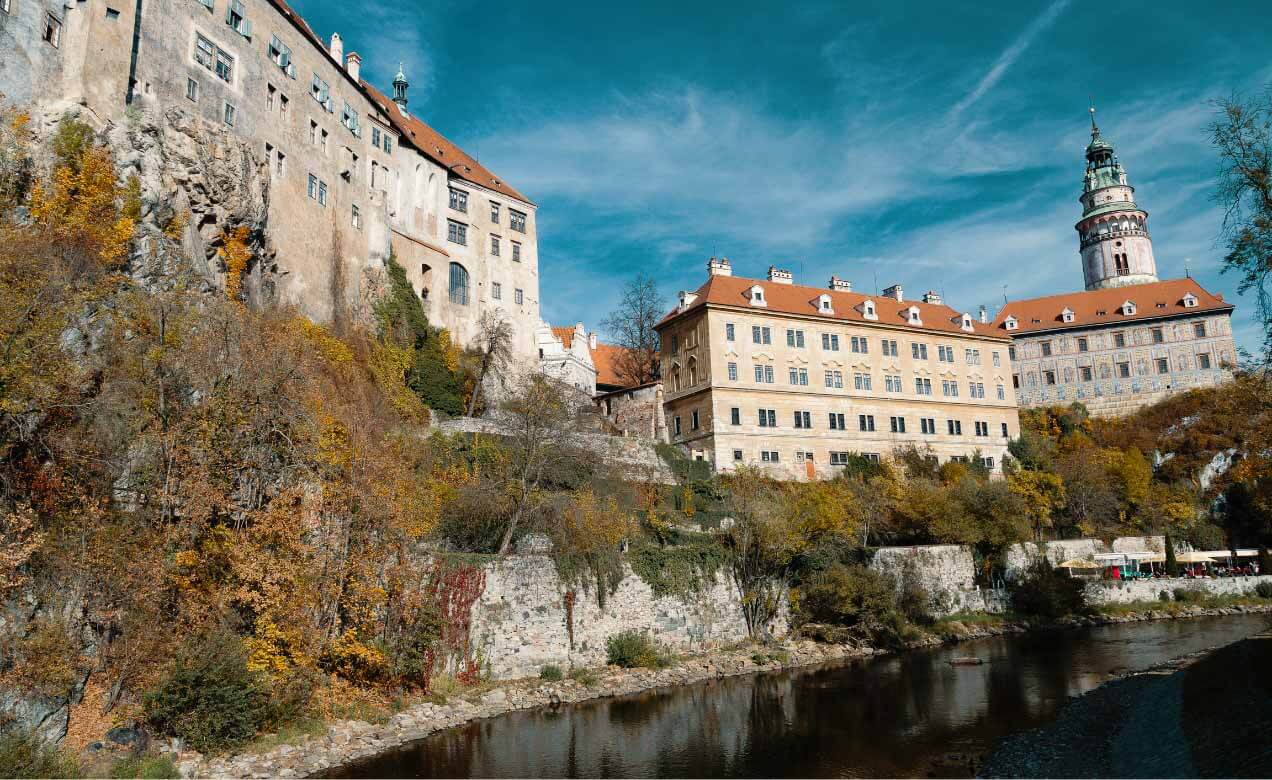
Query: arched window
(458, 284)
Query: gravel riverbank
(347, 741)
(1205, 715)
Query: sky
(933, 144)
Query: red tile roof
(1103, 307)
(605, 358)
(565, 334)
(441, 150)
(797, 299)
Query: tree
(631, 327)
(1242, 134)
(494, 351)
(1041, 493)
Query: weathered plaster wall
(1127, 591)
(524, 621)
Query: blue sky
(935, 144)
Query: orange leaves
(83, 210)
(236, 257)
(19, 540)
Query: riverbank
(347, 741)
(1203, 715)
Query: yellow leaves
(389, 364)
(451, 353)
(1041, 492)
(19, 540)
(177, 225)
(590, 523)
(19, 121)
(332, 349)
(351, 658)
(236, 257)
(272, 650)
(334, 446)
(83, 209)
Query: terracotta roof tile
(798, 299)
(1101, 307)
(441, 150)
(565, 334)
(605, 358)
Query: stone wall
(946, 571)
(1019, 556)
(1128, 591)
(524, 620)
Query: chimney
(930, 296)
(840, 285)
(894, 292)
(719, 267)
(780, 275)
(353, 64)
(591, 341)
(984, 315)
(686, 299)
(337, 48)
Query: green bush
(26, 755)
(1048, 593)
(584, 676)
(1186, 596)
(1163, 596)
(209, 698)
(630, 649)
(1263, 590)
(145, 768)
(551, 673)
(847, 596)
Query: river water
(906, 715)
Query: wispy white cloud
(1009, 56)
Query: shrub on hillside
(25, 755)
(209, 698)
(846, 596)
(630, 649)
(551, 673)
(1263, 590)
(1044, 591)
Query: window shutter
(246, 29)
(209, 4)
(229, 13)
(291, 66)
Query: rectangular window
(982, 428)
(494, 246)
(919, 351)
(830, 342)
(1045, 346)
(214, 58)
(229, 114)
(1199, 330)
(192, 90)
(283, 105)
(236, 18)
(281, 56)
(270, 95)
(769, 456)
(972, 356)
(839, 459)
(866, 422)
(1083, 345)
(944, 354)
(456, 232)
(922, 386)
(1119, 340)
(1163, 366)
(1005, 433)
(898, 424)
(733, 372)
(494, 212)
(861, 381)
(322, 193)
(1049, 377)
(375, 136)
(313, 187)
(997, 360)
(759, 373)
(694, 419)
(735, 416)
(860, 345)
(516, 251)
(52, 34)
(1159, 336)
(768, 375)
(1084, 372)
(1124, 370)
(729, 333)
(280, 164)
(737, 455)
(496, 291)
(767, 418)
(955, 427)
(799, 376)
(357, 219)
(676, 424)
(889, 347)
(458, 200)
(517, 220)
(1002, 393)
(6, 6)
(803, 420)
(795, 338)
(927, 425)
(837, 421)
(519, 296)
(388, 143)
(1203, 361)
(1011, 353)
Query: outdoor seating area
(1193, 564)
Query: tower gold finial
(1091, 100)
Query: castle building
(347, 175)
(792, 379)
(566, 354)
(1129, 339)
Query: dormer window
(1190, 301)
(824, 305)
(757, 296)
(1128, 308)
(1067, 315)
(912, 316)
(966, 323)
(1011, 323)
(868, 311)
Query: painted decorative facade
(1128, 340)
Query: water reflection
(908, 715)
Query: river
(906, 715)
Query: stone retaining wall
(1128, 591)
(524, 619)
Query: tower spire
(1094, 130)
(399, 88)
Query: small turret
(399, 89)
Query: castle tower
(1113, 232)
(399, 89)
